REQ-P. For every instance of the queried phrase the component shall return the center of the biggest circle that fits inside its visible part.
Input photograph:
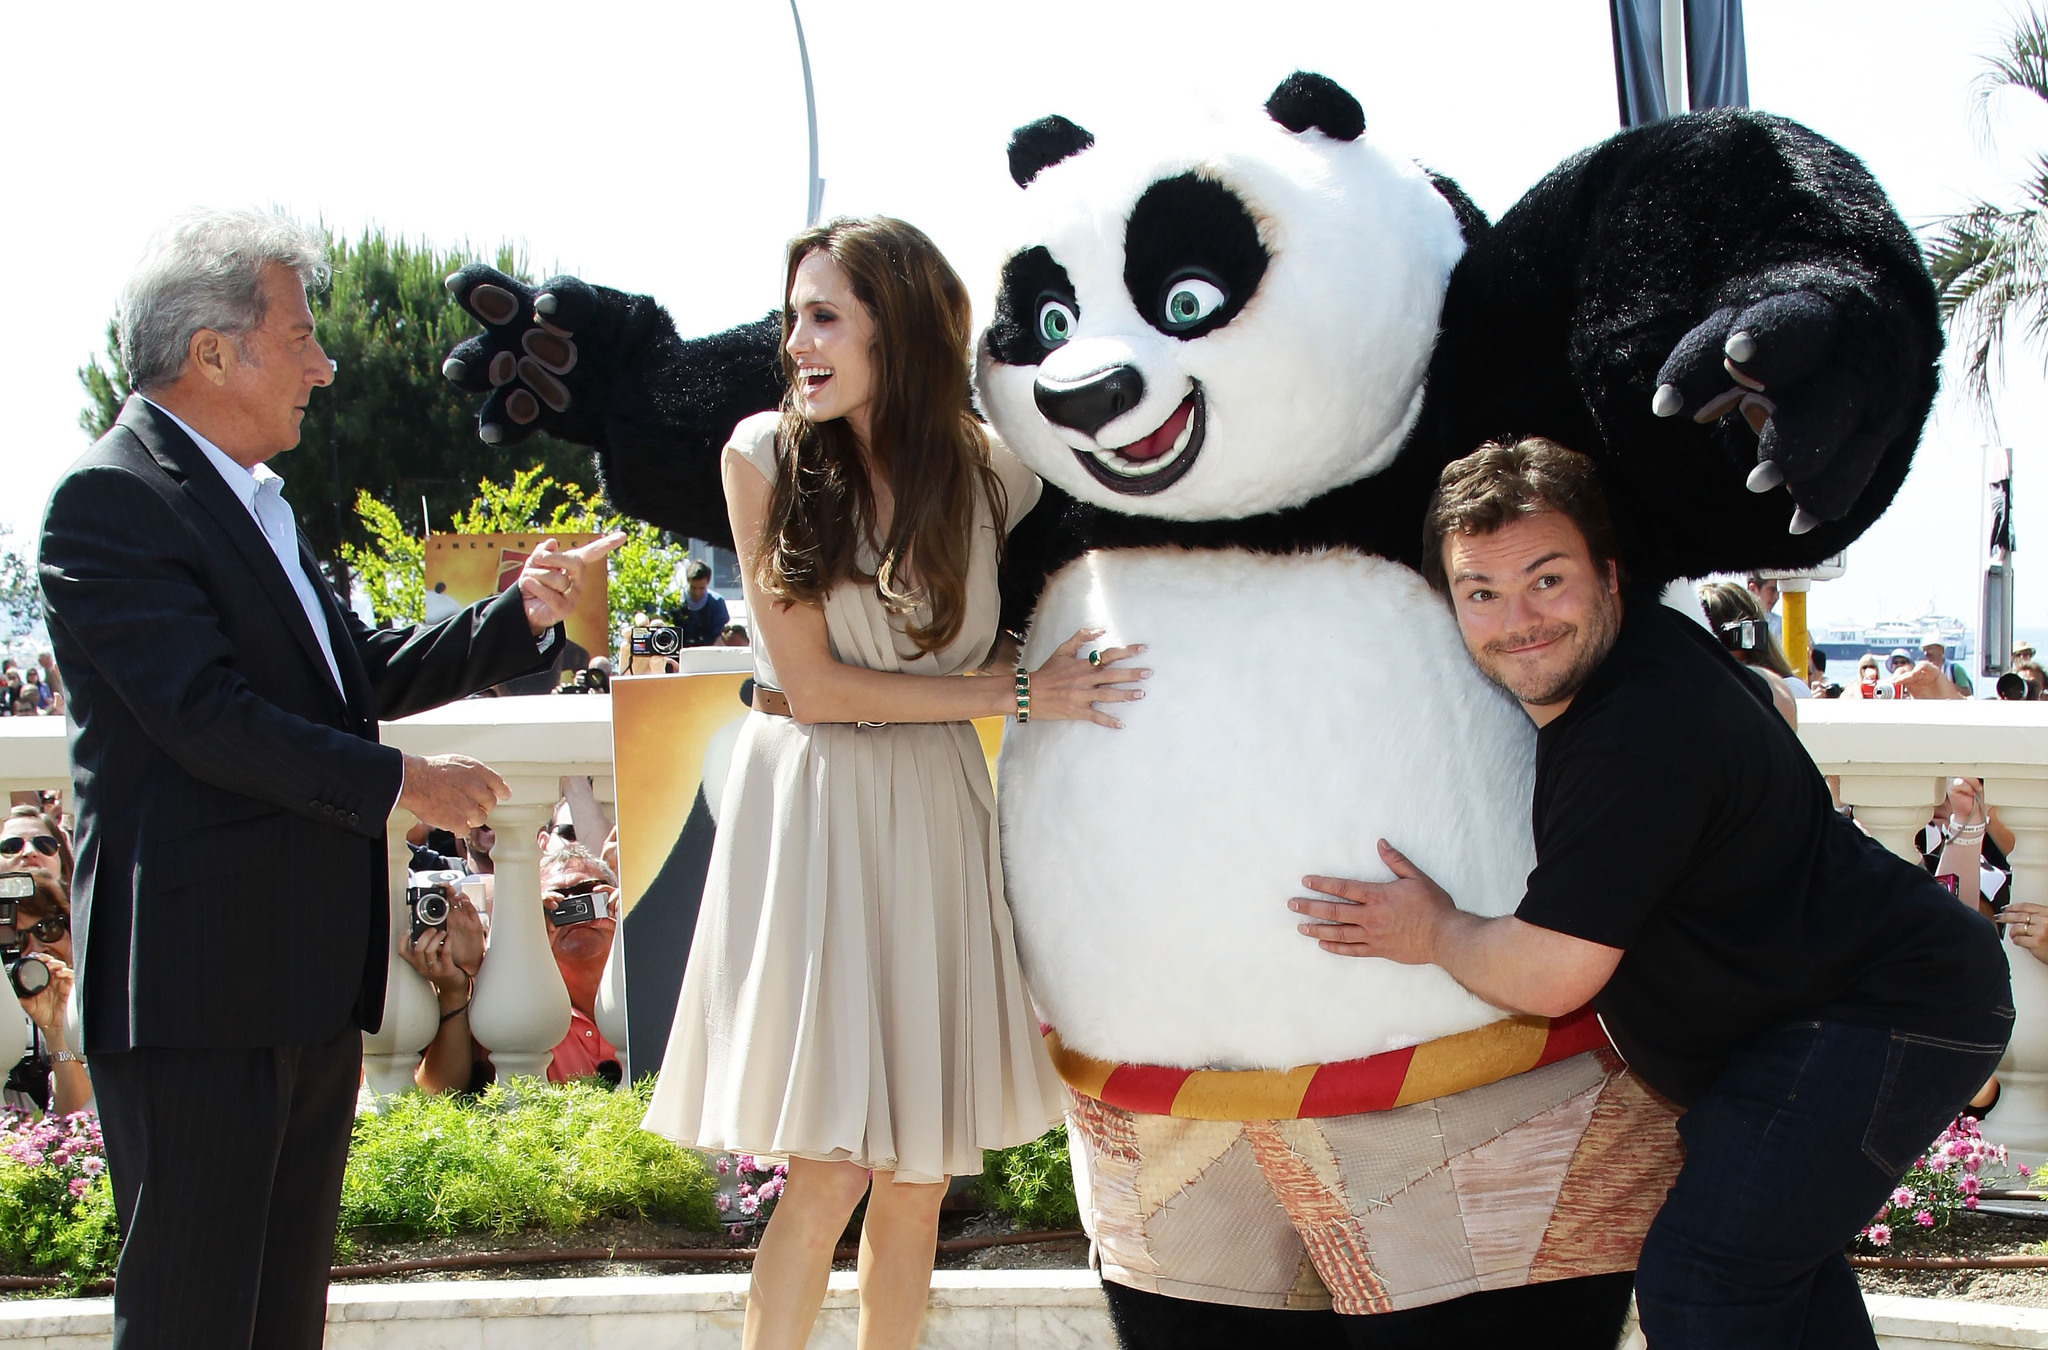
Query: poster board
(466, 568)
(673, 738)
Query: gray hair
(577, 853)
(205, 270)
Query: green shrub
(1032, 1183)
(56, 1208)
(553, 1156)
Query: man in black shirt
(1820, 1007)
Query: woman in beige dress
(853, 1001)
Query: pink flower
(1969, 1202)
(782, 1169)
(723, 1165)
(79, 1185)
(745, 1162)
(738, 1230)
(1969, 1185)
(745, 1190)
(770, 1189)
(1880, 1235)
(750, 1204)
(722, 1202)
(1938, 1163)
(1903, 1197)
(92, 1167)
(2025, 1170)
(1924, 1219)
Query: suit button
(352, 818)
(313, 805)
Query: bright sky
(661, 147)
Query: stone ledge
(996, 1309)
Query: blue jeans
(1793, 1150)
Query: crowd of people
(50, 1077)
(580, 897)
(31, 688)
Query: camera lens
(433, 909)
(664, 641)
(30, 976)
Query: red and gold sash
(1380, 1082)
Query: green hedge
(553, 1157)
(1032, 1183)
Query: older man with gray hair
(230, 903)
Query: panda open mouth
(1155, 462)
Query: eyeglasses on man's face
(14, 843)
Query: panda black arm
(1039, 545)
(1637, 265)
(607, 369)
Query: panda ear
(1305, 100)
(1044, 143)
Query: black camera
(1745, 635)
(659, 640)
(29, 974)
(427, 884)
(582, 902)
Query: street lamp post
(816, 201)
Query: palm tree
(1990, 264)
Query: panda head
(1221, 328)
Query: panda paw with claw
(1820, 423)
(526, 358)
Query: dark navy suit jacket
(231, 886)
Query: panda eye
(1055, 322)
(1189, 301)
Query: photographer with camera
(580, 896)
(702, 616)
(446, 946)
(31, 840)
(35, 945)
(1736, 617)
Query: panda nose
(1092, 402)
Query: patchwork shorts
(1544, 1175)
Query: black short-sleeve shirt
(1678, 818)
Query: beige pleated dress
(852, 991)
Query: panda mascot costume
(1239, 361)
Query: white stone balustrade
(520, 1008)
(1893, 759)
(1891, 756)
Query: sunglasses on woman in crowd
(13, 844)
(48, 930)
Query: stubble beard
(1589, 647)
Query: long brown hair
(925, 437)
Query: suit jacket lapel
(168, 444)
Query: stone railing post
(2021, 1120)
(520, 1010)
(1894, 807)
(411, 1012)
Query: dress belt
(776, 704)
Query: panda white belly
(1301, 708)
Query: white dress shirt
(261, 492)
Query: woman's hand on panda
(1067, 686)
